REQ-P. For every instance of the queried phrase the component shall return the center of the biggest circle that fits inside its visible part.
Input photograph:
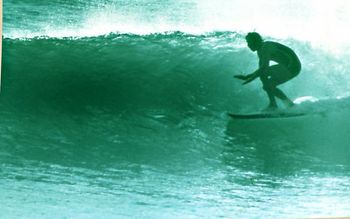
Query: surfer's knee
(268, 87)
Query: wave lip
(285, 19)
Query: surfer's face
(252, 45)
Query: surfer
(287, 67)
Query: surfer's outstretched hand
(241, 77)
(247, 78)
(250, 79)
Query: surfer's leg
(269, 90)
(279, 94)
(273, 104)
(276, 75)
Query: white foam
(323, 23)
(303, 99)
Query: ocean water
(118, 109)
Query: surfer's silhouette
(287, 67)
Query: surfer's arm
(264, 60)
(242, 77)
(258, 73)
(246, 77)
(251, 77)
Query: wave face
(134, 123)
(173, 69)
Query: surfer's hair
(254, 37)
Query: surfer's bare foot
(270, 108)
(289, 103)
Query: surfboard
(266, 115)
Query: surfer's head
(254, 40)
